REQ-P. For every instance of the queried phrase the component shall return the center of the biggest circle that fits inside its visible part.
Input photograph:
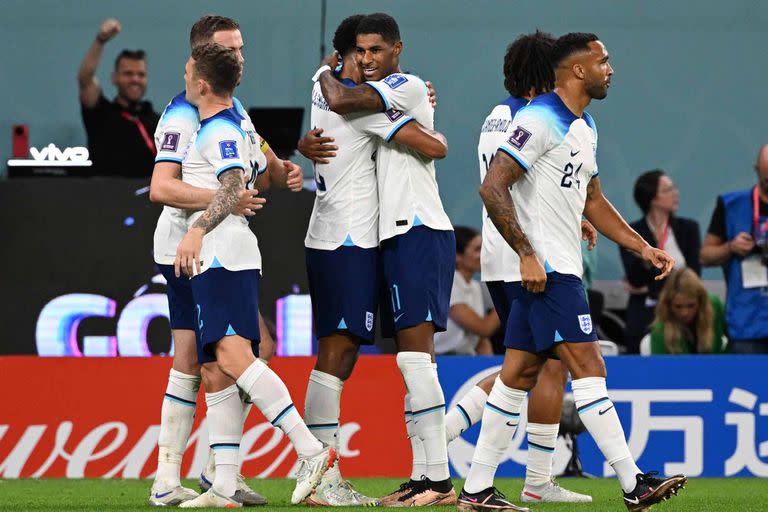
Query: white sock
(419, 465)
(225, 412)
(209, 473)
(500, 419)
(427, 410)
(269, 394)
(599, 416)
(467, 412)
(176, 418)
(541, 450)
(322, 407)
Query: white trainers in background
(160, 497)
(551, 492)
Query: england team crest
(585, 323)
(368, 320)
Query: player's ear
(398, 47)
(579, 71)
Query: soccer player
(343, 234)
(527, 73)
(221, 256)
(417, 246)
(551, 153)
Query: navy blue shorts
(344, 286)
(227, 304)
(181, 304)
(418, 275)
(537, 321)
(501, 301)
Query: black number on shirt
(568, 177)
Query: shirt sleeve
(717, 224)
(224, 147)
(401, 92)
(382, 124)
(174, 133)
(528, 136)
(93, 118)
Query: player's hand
(742, 244)
(533, 275)
(431, 93)
(294, 177)
(316, 148)
(588, 233)
(331, 60)
(188, 254)
(248, 203)
(108, 29)
(659, 259)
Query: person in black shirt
(737, 239)
(120, 132)
(658, 198)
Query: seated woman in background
(469, 326)
(688, 319)
(659, 200)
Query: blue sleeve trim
(519, 160)
(396, 129)
(167, 159)
(228, 167)
(381, 95)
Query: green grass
(705, 494)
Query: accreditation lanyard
(664, 235)
(142, 131)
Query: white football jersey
(498, 261)
(408, 192)
(346, 209)
(175, 130)
(225, 141)
(558, 152)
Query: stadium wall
(687, 96)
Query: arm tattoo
(223, 201)
(504, 172)
(343, 100)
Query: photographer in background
(119, 132)
(737, 239)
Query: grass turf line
(721, 494)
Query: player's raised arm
(494, 191)
(428, 142)
(345, 100)
(600, 212)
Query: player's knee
(337, 359)
(555, 373)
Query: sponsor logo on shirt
(228, 149)
(519, 137)
(395, 81)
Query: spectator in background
(658, 199)
(688, 319)
(737, 239)
(120, 132)
(469, 325)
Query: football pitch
(713, 494)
